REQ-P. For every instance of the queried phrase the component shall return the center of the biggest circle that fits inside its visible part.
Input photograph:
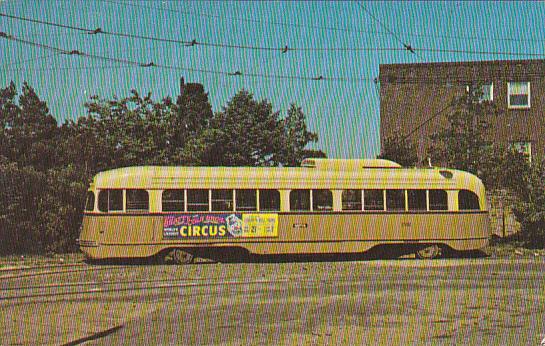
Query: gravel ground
(492, 300)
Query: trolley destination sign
(231, 225)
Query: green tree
(81, 144)
(29, 131)
(504, 168)
(191, 116)
(463, 145)
(397, 148)
(131, 131)
(463, 142)
(61, 209)
(21, 189)
(137, 130)
(246, 133)
(296, 138)
(530, 210)
(8, 112)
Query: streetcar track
(90, 269)
(47, 266)
(95, 290)
(91, 283)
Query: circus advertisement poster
(217, 226)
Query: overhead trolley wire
(405, 45)
(195, 42)
(433, 116)
(328, 28)
(152, 64)
(284, 49)
(476, 38)
(47, 56)
(242, 19)
(71, 68)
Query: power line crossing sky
(332, 52)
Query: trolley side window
(110, 200)
(438, 200)
(373, 200)
(269, 200)
(299, 200)
(222, 200)
(246, 200)
(90, 201)
(417, 200)
(197, 200)
(395, 200)
(468, 200)
(351, 200)
(322, 200)
(173, 200)
(137, 200)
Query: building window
(269, 200)
(486, 91)
(518, 95)
(137, 200)
(525, 148)
(173, 200)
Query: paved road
(452, 301)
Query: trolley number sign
(232, 225)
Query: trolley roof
(320, 174)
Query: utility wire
(194, 42)
(241, 19)
(152, 64)
(71, 68)
(433, 116)
(405, 45)
(328, 28)
(477, 38)
(285, 49)
(381, 24)
(31, 59)
(387, 79)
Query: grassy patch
(512, 250)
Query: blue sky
(345, 114)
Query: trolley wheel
(180, 256)
(429, 252)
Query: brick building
(415, 98)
